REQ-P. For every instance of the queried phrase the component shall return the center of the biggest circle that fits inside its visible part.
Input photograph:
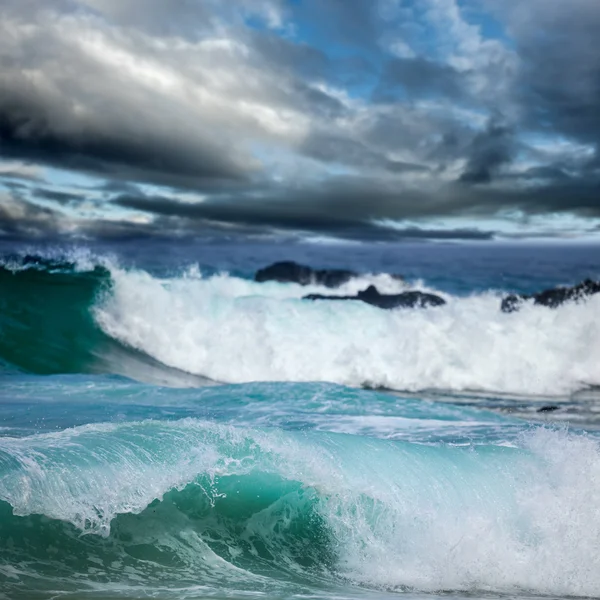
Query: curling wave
(212, 505)
(187, 328)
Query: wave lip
(320, 507)
(47, 325)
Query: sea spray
(233, 330)
(85, 317)
(378, 513)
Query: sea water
(171, 429)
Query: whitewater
(170, 428)
(236, 331)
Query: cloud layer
(374, 119)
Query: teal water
(170, 429)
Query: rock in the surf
(551, 298)
(291, 272)
(372, 296)
(550, 408)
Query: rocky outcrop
(551, 298)
(291, 272)
(372, 296)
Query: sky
(375, 120)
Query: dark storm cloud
(335, 207)
(560, 76)
(58, 196)
(47, 130)
(293, 213)
(257, 106)
(327, 208)
(555, 173)
(80, 93)
(488, 151)
(22, 219)
(15, 186)
(569, 195)
(558, 87)
(336, 149)
(345, 204)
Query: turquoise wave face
(257, 532)
(107, 484)
(47, 325)
(253, 533)
(196, 503)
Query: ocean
(171, 429)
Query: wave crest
(75, 317)
(373, 512)
(235, 331)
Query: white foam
(237, 287)
(87, 475)
(507, 522)
(234, 330)
(399, 515)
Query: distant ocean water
(171, 429)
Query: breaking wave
(209, 505)
(104, 318)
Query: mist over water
(170, 428)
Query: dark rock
(372, 296)
(513, 303)
(552, 298)
(548, 409)
(291, 272)
(556, 297)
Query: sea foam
(392, 515)
(234, 330)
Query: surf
(233, 330)
(190, 328)
(203, 503)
